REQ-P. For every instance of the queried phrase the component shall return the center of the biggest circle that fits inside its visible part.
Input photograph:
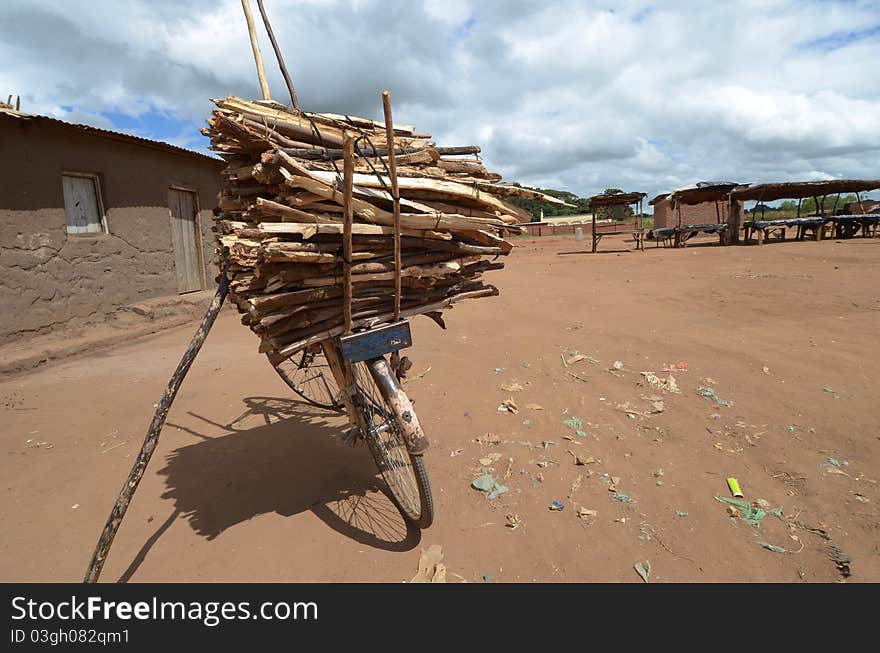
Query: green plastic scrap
(576, 423)
(772, 547)
(489, 485)
(622, 497)
(750, 514)
(709, 393)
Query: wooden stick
(293, 99)
(348, 219)
(152, 439)
(392, 169)
(255, 46)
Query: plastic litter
(681, 513)
(643, 569)
(841, 561)
(772, 547)
(709, 393)
(556, 505)
(489, 485)
(733, 484)
(576, 424)
(619, 496)
(751, 514)
(666, 385)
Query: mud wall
(51, 279)
(703, 213)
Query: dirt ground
(249, 484)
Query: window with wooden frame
(83, 204)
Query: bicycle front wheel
(404, 472)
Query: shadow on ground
(289, 463)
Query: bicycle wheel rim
(309, 375)
(387, 445)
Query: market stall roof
(658, 198)
(705, 191)
(795, 189)
(616, 199)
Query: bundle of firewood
(280, 222)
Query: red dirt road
(249, 484)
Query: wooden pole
(392, 167)
(255, 46)
(347, 219)
(287, 80)
(137, 472)
(734, 220)
(595, 210)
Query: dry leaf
(490, 459)
(534, 407)
(511, 387)
(431, 567)
(509, 405)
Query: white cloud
(568, 94)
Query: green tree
(581, 204)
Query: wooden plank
(184, 241)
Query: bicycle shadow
(289, 462)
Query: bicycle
(308, 374)
(379, 411)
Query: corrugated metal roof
(146, 142)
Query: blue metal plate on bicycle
(375, 342)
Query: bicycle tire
(291, 368)
(405, 473)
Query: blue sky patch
(840, 39)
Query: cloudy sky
(574, 95)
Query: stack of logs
(280, 221)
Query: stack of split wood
(280, 226)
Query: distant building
(856, 208)
(703, 213)
(91, 220)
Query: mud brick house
(92, 220)
(702, 213)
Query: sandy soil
(249, 484)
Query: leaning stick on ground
(152, 439)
